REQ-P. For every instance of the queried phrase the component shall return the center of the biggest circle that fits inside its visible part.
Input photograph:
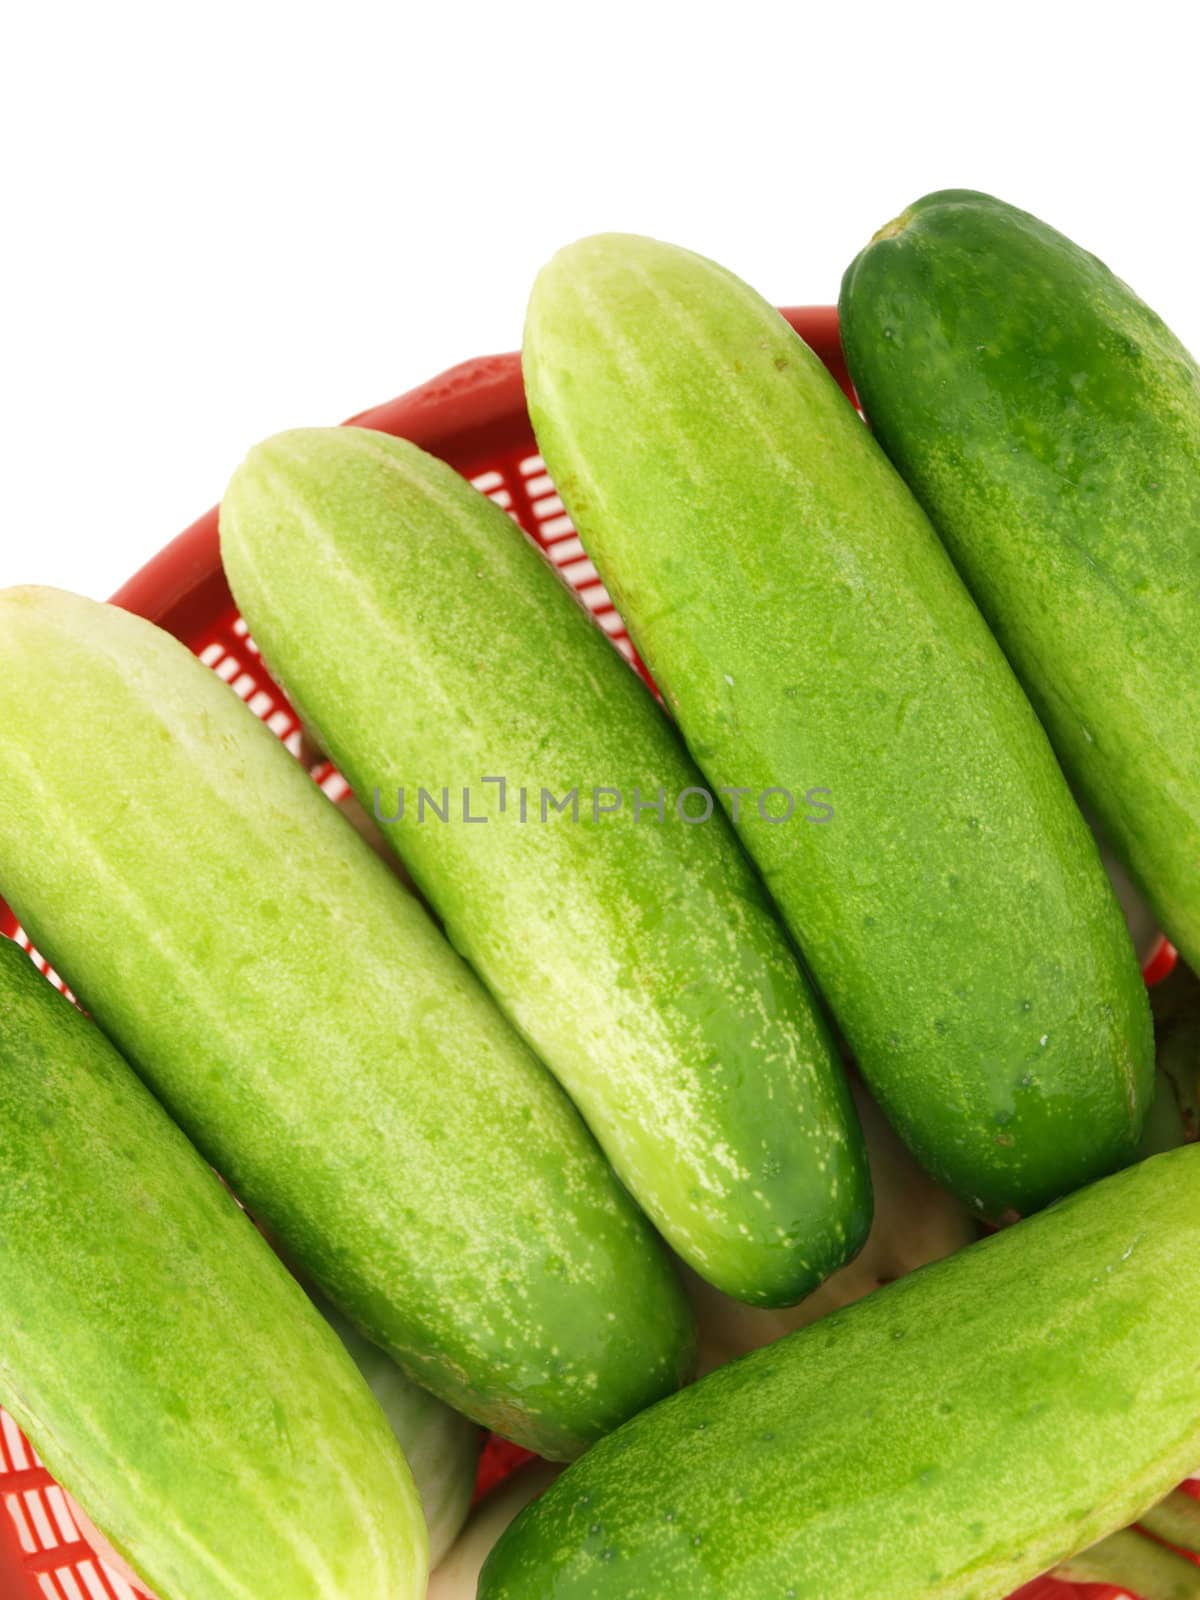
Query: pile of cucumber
(576, 1104)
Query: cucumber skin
(947, 1438)
(425, 641)
(306, 1024)
(167, 1368)
(954, 911)
(1050, 424)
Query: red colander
(473, 417)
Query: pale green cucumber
(440, 1445)
(1176, 1519)
(169, 1371)
(430, 647)
(947, 1438)
(305, 1022)
(809, 631)
(1136, 1565)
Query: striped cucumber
(1050, 425)
(302, 1018)
(166, 1366)
(809, 631)
(431, 648)
(947, 1438)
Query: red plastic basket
(474, 417)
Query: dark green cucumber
(1050, 425)
(430, 646)
(303, 1019)
(809, 631)
(168, 1369)
(947, 1438)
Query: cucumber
(431, 648)
(947, 1438)
(441, 1446)
(1050, 425)
(810, 634)
(301, 1017)
(169, 1371)
(1134, 1564)
(1176, 1519)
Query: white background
(218, 220)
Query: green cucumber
(441, 1446)
(947, 1438)
(300, 1015)
(809, 632)
(1050, 424)
(430, 647)
(169, 1371)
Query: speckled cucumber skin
(170, 1372)
(1050, 424)
(428, 643)
(947, 1438)
(303, 1019)
(808, 629)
